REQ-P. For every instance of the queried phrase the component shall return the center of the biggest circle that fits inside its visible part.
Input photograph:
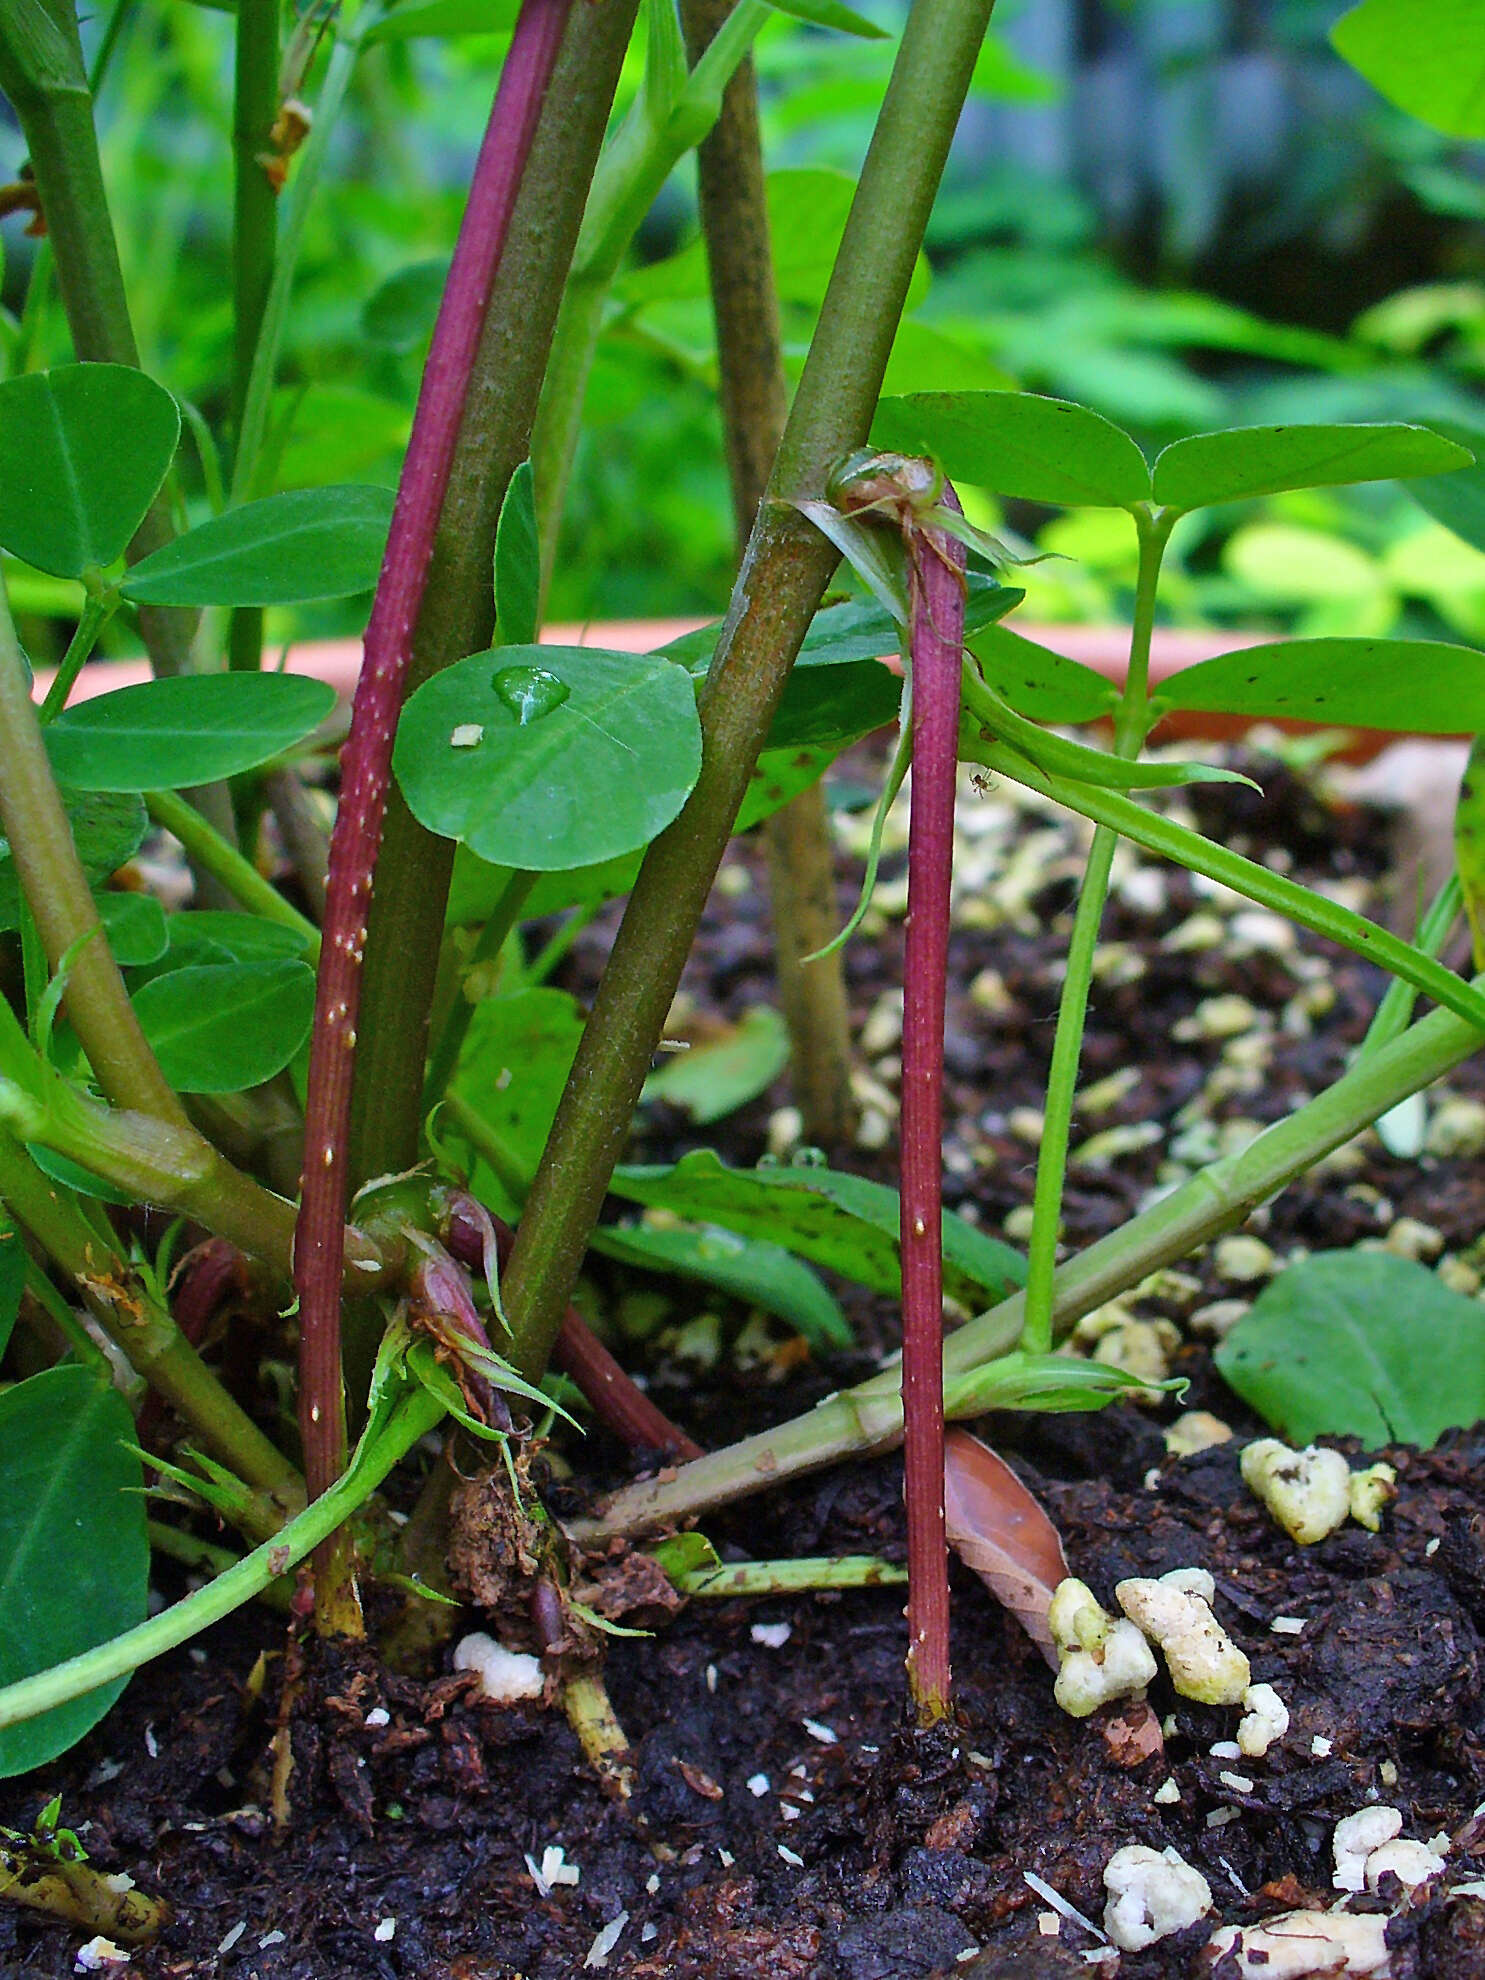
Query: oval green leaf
(74, 1559)
(221, 1028)
(135, 927)
(1264, 460)
(200, 935)
(1359, 1344)
(1040, 684)
(189, 729)
(1426, 56)
(518, 563)
(594, 760)
(284, 550)
(1020, 444)
(831, 707)
(723, 1073)
(1420, 685)
(83, 451)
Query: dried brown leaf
(998, 1528)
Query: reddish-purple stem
(319, 1244)
(936, 632)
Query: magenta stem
(936, 631)
(366, 760)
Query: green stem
(868, 1419)
(173, 1168)
(784, 574)
(1244, 876)
(57, 890)
(662, 126)
(801, 1577)
(1394, 1013)
(151, 1341)
(1130, 726)
(256, 388)
(211, 853)
(458, 610)
(98, 609)
(492, 939)
(254, 202)
(118, 20)
(254, 228)
(732, 194)
(414, 1417)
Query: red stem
(936, 608)
(616, 1400)
(366, 760)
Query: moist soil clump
(784, 1820)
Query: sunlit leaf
(1246, 461)
(305, 544)
(1420, 685)
(548, 757)
(1020, 444)
(1426, 56)
(187, 729)
(83, 451)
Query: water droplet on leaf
(805, 1157)
(530, 692)
(767, 1162)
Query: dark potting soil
(784, 1821)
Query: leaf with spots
(1422, 686)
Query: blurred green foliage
(1106, 233)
